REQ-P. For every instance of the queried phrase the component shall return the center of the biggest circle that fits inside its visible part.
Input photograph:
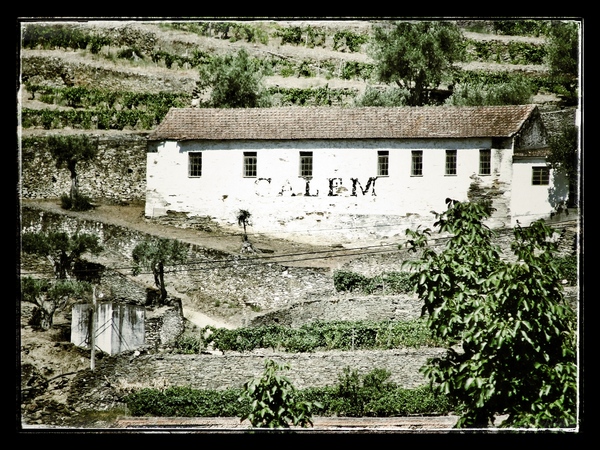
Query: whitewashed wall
(530, 202)
(276, 197)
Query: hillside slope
(317, 64)
(159, 58)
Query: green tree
(275, 402)
(155, 254)
(511, 335)
(563, 55)
(49, 297)
(69, 151)
(63, 250)
(416, 55)
(233, 81)
(563, 155)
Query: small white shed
(119, 327)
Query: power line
(324, 254)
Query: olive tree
(70, 151)
(63, 250)
(233, 81)
(50, 296)
(416, 55)
(155, 254)
(510, 333)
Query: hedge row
(315, 336)
(370, 395)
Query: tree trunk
(163, 290)
(74, 186)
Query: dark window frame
(194, 164)
(485, 161)
(306, 164)
(416, 164)
(383, 163)
(451, 162)
(250, 165)
(540, 176)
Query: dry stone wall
(117, 175)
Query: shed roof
(342, 123)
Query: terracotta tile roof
(341, 123)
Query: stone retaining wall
(117, 174)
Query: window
(450, 162)
(383, 162)
(485, 162)
(540, 176)
(306, 164)
(195, 164)
(250, 161)
(417, 163)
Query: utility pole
(93, 330)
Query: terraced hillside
(120, 78)
(123, 76)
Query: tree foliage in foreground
(563, 151)
(512, 334)
(274, 401)
(563, 55)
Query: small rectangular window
(250, 164)
(485, 162)
(417, 163)
(306, 164)
(540, 176)
(383, 163)
(450, 162)
(195, 164)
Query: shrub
(344, 281)
(567, 268)
(189, 344)
(275, 402)
(79, 202)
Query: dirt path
(276, 250)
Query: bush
(344, 281)
(185, 402)
(567, 268)
(79, 202)
(274, 400)
(189, 345)
(515, 91)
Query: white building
(345, 174)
